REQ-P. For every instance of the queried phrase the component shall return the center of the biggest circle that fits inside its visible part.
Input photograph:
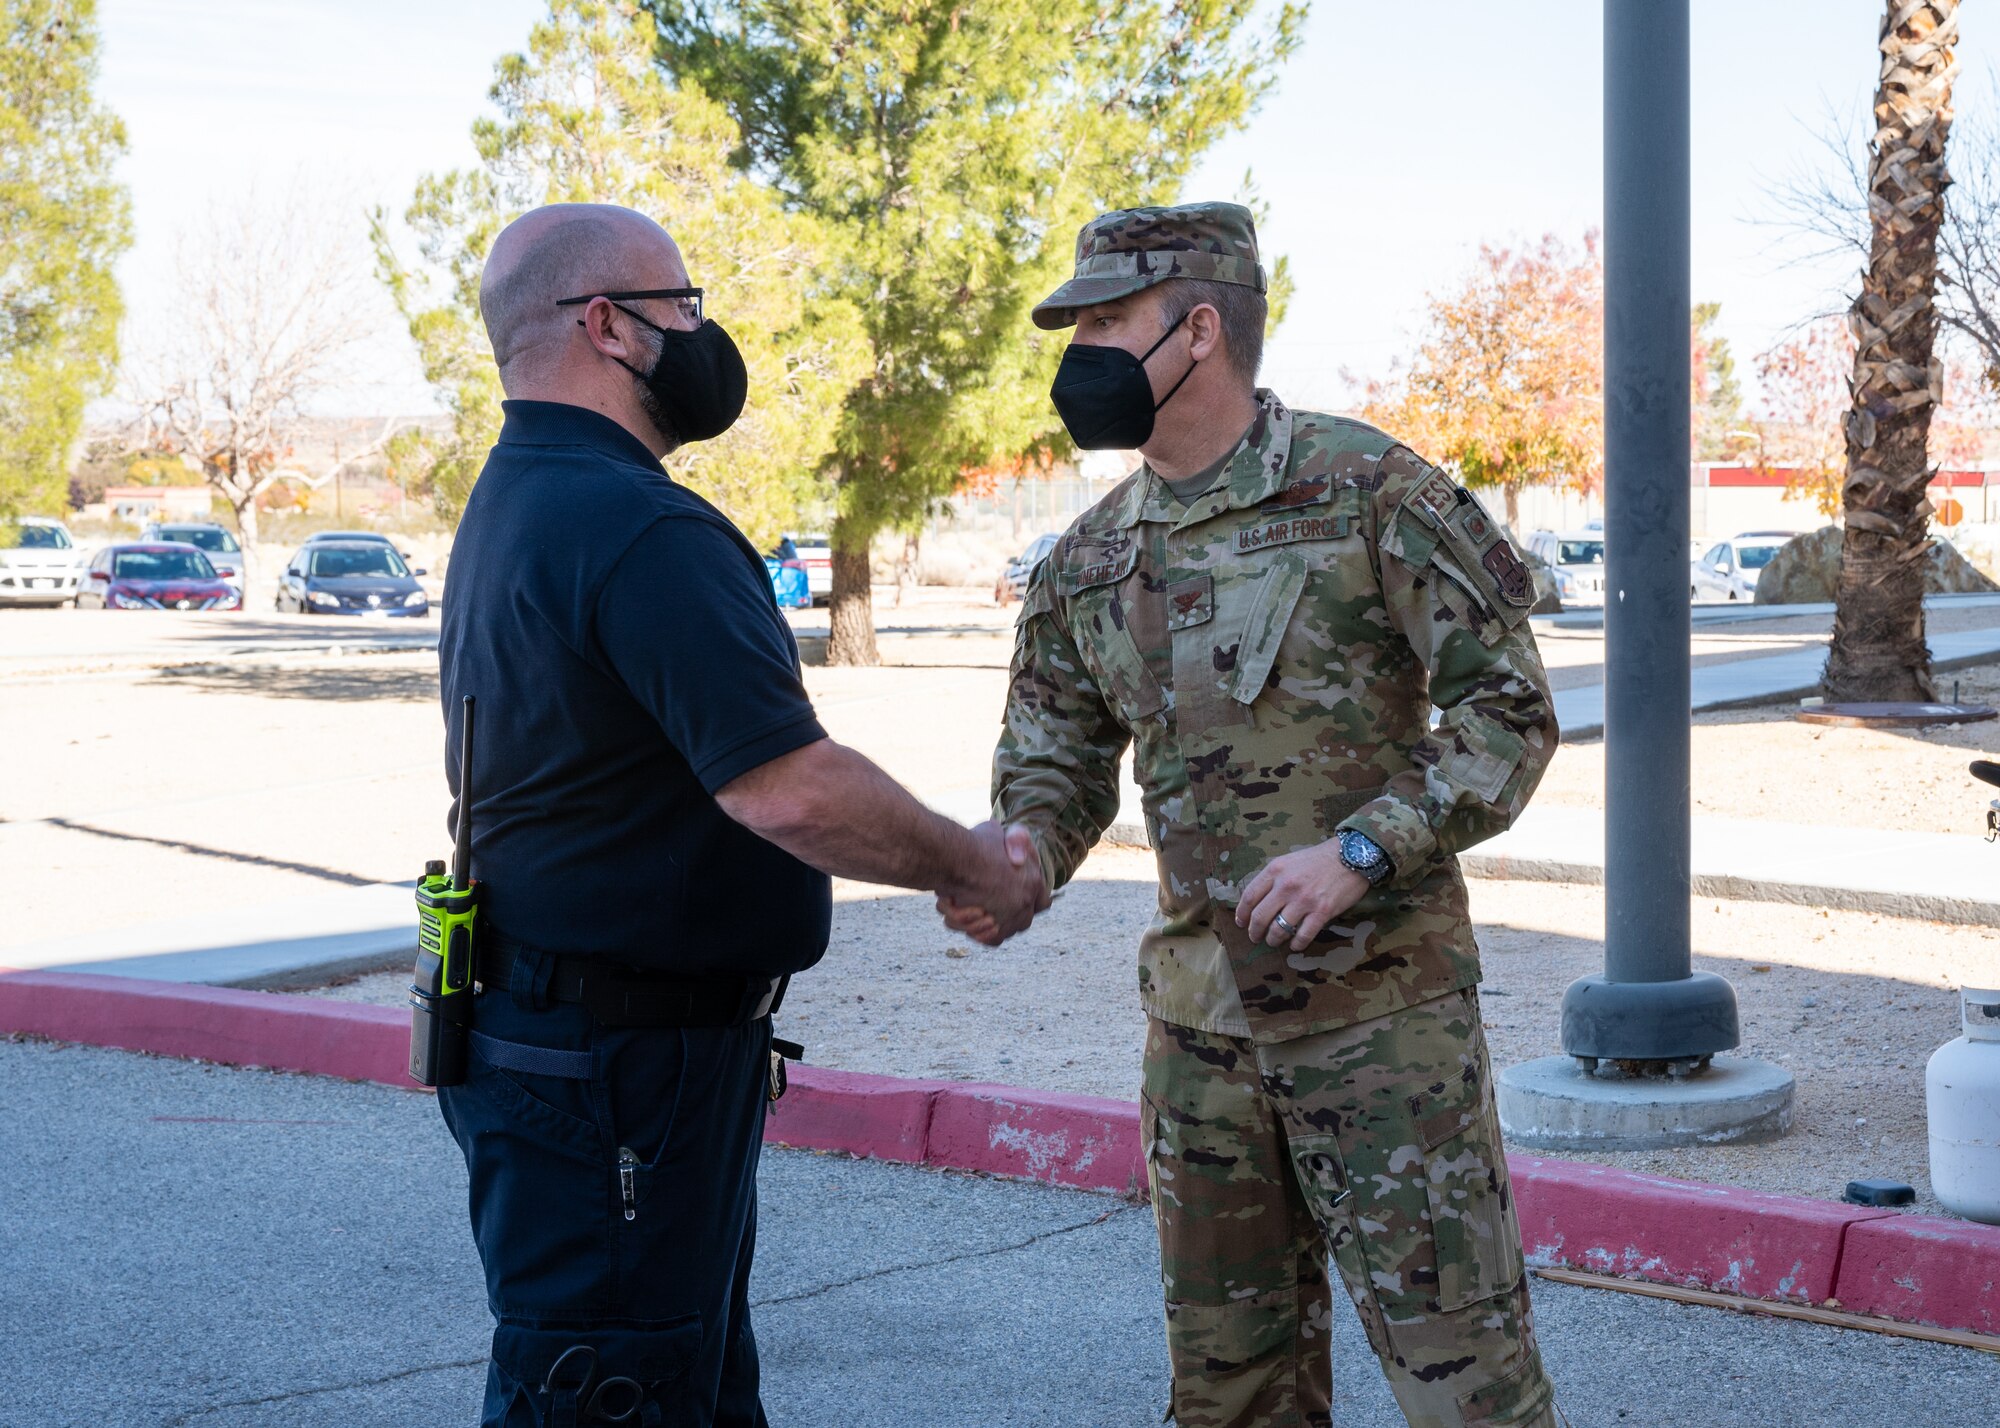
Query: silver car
(38, 562)
(1013, 581)
(1729, 569)
(1576, 564)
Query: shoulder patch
(1511, 576)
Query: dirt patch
(1853, 1004)
(1762, 763)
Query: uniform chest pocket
(1221, 664)
(1099, 587)
(1271, 601)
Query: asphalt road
(192, 1246)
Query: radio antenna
(461, 857)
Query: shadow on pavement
(332, 875)
(400, 685)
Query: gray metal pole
(1648, 1006)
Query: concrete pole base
(1553, 1104)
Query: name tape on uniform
(1285, 532)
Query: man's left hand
(1308, 889)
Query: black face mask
(697, 386)
(1105, 398)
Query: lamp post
(1641, 1040)
(1647, 1009)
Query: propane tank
(1962, 1090)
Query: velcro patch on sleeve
(1510, 573)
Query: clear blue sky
(1401, 136)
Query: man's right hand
(1001, 893)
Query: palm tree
(1879, 651)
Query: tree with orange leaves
(1804, 383)
(1507, 386)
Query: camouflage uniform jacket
(1272, 653)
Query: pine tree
(588, 117)
(954, 150)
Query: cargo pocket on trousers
(1322, 1178)
(632, 1372)
(1520, 1400)
(1472, 1226)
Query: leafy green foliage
(1717, 395)
(63, 222)
(955, 150)
(588, 117)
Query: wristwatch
(1364, 855)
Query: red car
(155, 575)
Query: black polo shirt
(628, 660)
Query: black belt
(617, 995)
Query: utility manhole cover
(1896, 716)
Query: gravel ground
(1762, 763)
(1853, 1003)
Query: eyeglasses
(687, 301)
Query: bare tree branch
(274, 301)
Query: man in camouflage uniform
(1267, 611)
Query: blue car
(788, 583)
(351, 577)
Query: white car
(1576, 562)
(38, 562)
(815, 553)
(1729, 570)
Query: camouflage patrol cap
(1121, 252)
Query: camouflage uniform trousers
(1376, 1142)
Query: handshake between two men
(833, 808)
(830, 806)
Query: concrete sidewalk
(1580, 711)
(298, 942)
(1944, 877)
(209, 1248)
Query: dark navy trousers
(646, 1263)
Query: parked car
(154, 575)
(212, 540)
(1730, 569)
(1576, 563)
(814, 553)
(788, 582)
(351, 577)
(1013, 582)
(38, 562)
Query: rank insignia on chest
(1296, 528)
(1306, 491)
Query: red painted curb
(1584, 1216)
(881, 1117)
(1924, 1269)
(280, 1030)
(1610, 1221)
(1089, 1142)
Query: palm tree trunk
(1879, 651)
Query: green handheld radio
(447, 912)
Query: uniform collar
(560, 424)
(1254, 474)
